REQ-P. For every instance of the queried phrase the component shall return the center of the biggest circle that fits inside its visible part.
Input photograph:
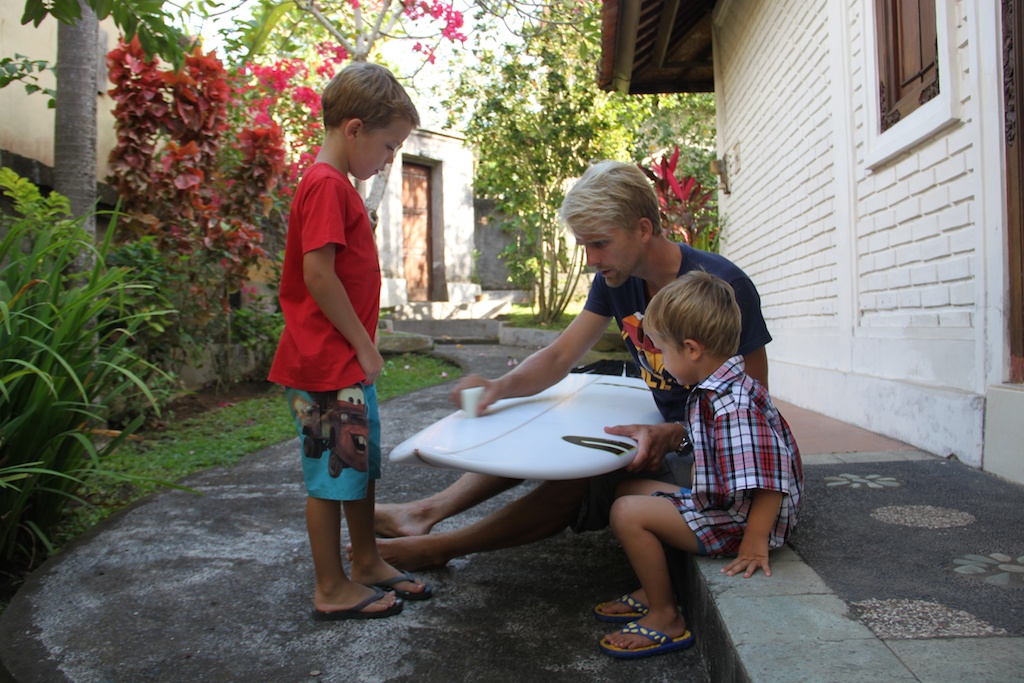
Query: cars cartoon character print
(341, 415)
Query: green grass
(524, 315)
(219, 438)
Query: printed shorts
(339, 438)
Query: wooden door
(416, 231)
(1013, 84)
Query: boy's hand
(371, 362)
(753, 554)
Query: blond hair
(367, 92)
(697, 306)
(610, 194)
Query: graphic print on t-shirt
(652, 365)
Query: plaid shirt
(741, 443)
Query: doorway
(417, 232)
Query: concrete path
(905, 567)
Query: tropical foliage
(66, 356)
(687, 213)
(146, 20)
(199, 164)
(536, 119)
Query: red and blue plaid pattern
(741, 443)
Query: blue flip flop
(357, 612)
(389, 585)
(662, 643)
(639, 610)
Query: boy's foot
(378, 573)
(629, 607)
(378, 605)
(636, 641)
(405, 586)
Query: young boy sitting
(747, 472)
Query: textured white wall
(869, 270)
(451, 212)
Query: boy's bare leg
(642, 523)
(334, 590)
(366, 564)
(543, 512)
(418, 517)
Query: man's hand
(652, 443)
(469, 381)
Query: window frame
(939, 112)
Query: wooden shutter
(908, 67)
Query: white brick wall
(887, 291)
(780, 160)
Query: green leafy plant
(257, 329)
(26, 70)
(65, 357)
(539, 120)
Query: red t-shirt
(312, 354)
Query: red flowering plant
(687, 212)
(205, 164)
(193, 179)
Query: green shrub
(65, 358)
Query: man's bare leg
(543, 512)
(418, 517)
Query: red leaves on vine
(177, 172)
(683, 200)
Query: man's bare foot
(412, 553)
(394, 520)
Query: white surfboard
(556, 434)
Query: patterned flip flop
(662, 643)
(639, 610)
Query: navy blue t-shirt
(627, 305)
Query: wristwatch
(685, 447)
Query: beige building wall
(26, 122)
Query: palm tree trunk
(74, 148)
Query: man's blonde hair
(698, 306)
(610, 194)
(367, 92)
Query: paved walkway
(905, 567)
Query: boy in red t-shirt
(327, 359)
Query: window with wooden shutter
(908, 67)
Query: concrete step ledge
(783, 628)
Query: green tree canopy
(146, 19)
(533, 112)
